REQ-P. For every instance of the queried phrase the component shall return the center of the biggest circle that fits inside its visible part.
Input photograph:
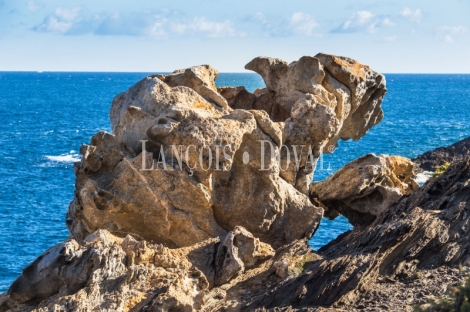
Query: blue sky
(399, 36)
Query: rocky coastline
(223, 225)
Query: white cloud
(412, 15)
(359, 21)
(260, 17)
(448, 39)
(450, 33)
(202, 26)
(302, 23)
(388, 22)
(157, 24)
(34, 6)
(62, 20)
(298, 23)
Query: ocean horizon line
(168, 72)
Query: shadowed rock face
(87, 276)
(203, 196)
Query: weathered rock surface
(239, 250)
(352, 91)
(198, 140)
(108, 273)
(432, 159)
(413, 248)
(365, 187)
(261, 99)
(199, 78)
(410, 253)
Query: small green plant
(458, 300)
(441, 169)
(299, 266)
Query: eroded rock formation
(365, 187)
(203, 186)
(157, 228)
(87, 276)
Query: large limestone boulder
(186, 163)
(365, 187)
(199, 78)
(353, 91)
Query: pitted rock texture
(365, 187)
(196, 183)
(352, 91)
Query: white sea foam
(422, 177)
(66, 158)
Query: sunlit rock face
(365, 187)
(221, 157)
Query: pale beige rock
(182, 207)
(328, 98)
(365, 187)
(199, 78)
(120, 197)
(113, 274)
(159, 194)
(239, 251)
(367, 91)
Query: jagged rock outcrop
(261, 99)
(210, 167)
(147, 277)
(409, 252)
(365, 187)
(432, 159)
(352, 90)
(199, 78)
(330, 97)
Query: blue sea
(45, 117)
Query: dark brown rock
(421, 234)
(431, 159)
